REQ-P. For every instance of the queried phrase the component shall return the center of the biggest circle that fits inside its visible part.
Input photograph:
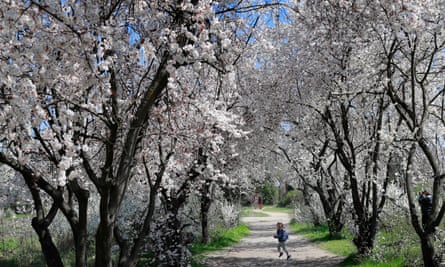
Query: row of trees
(358, 105)
(116, 114)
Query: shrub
(269, 193)
(289, 199)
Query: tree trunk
(307, 201)
(425, 232)
(79, 225)
(427, 244)
(49, 250)
(109, 204)
(81, 249)
(172, 241)
(104, 242)
(129, 257)
(333, 210)
(335, 226)
(206, 201)
(40, 223)
(364, 239)
(205, 206)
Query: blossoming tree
(86, 86)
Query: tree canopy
(135, 111)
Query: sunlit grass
(354, 261)
(22, 251)
(253, 213)
(249, 211)
(221, 238)
(342, 246)
(320, 235)
(277, 209)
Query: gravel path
(259, 248)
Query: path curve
(259, 248)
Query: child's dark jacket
(280, 235)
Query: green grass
(320, 235)
(20, 251)
(343, 246)
(278, 209)
(221, 238)
(354, 261)
(252, 213)
(9, 244)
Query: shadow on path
(260, 262)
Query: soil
(259, 249)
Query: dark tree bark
(49, 250)
(205, 197)
(425, 232)
(205, 207)
(79, 223)
(428, 251)
(40, 224)
(333, 209)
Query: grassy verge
(278, 209)
(343, 246)
(19, 245)
(270, 209)
(354, 261)
(320, 235)
(254, 214)
(221, 238)
(251, 212)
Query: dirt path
(259, 248)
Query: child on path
(282, 238)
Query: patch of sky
(21, 33)
(273, 16)
(277, 11)
(260, 62)
(142, 58)
(3, 146)
(46, 20)
(44, 125)
(276, 16)
(286, 126)
(134, 38)
(67, 8)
